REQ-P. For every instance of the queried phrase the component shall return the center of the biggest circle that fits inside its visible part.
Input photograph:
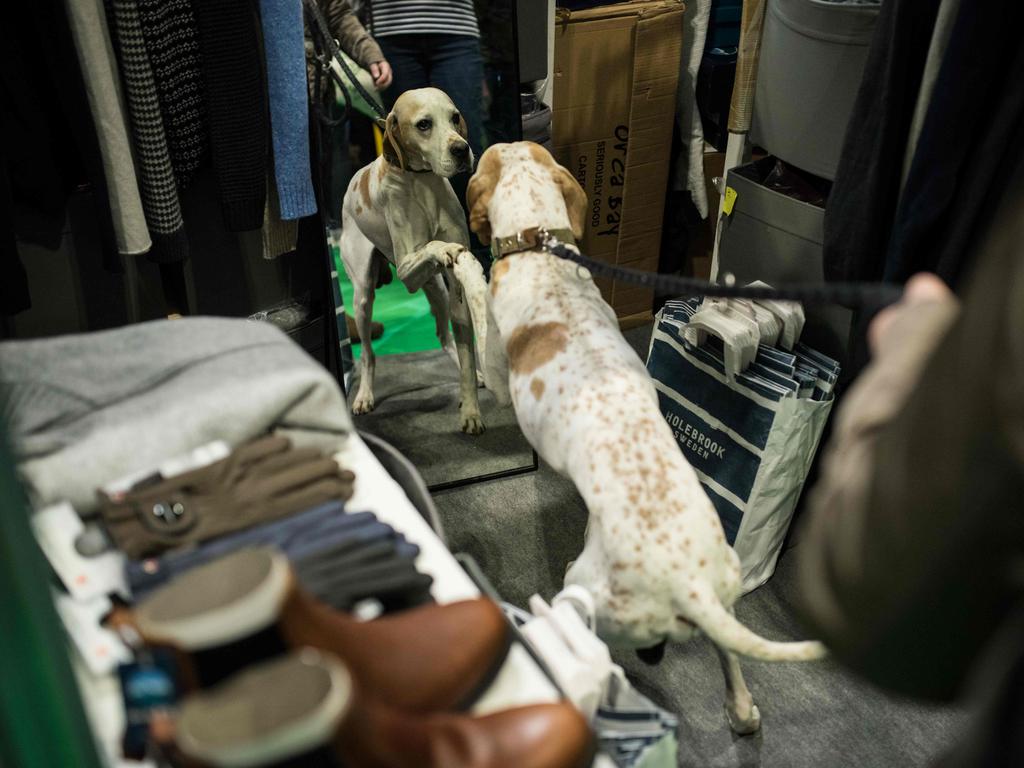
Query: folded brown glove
(262, 480)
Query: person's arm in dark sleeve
(351, 35)
(906, 560)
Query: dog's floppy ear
(392, 149)
(479, 193)
(575, 199)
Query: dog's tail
(728, 633)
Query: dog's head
(540, 177)
(426, 132)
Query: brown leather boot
(301, 705)
(536, 736)
(248, 606)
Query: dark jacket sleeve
(911, 553)
(352, 37)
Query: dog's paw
(448, 254)
(362, 404)
(746, 723)
(472, 422)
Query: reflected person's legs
(456, 67)
(407, 57)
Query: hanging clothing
(409, 17)
(977, 102)
(278, 236)
(862, 204)
(156, 176)
(172, 42)
(14, 293)
(236, 103)
(944, 20)
(283, 44)
(49, 145)
(106, 102)
(689, 168)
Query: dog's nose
(460, 151)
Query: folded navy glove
(342, 558)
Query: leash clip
(546, 240)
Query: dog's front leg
(470, 417)
(470, 275)
(416, 267)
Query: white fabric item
(790, 314)
(769, 325)
(689, 170)
(739, 333)
(88, 22)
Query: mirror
(468, 50)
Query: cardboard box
(616, 71)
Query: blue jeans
(450, 62)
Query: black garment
(861, 207)
(971, 134)
(236, 99)
(172, 42)
(14, 295)
(49, 143)
(149, 138)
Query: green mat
(408, 324)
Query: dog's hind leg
(361, 267)
(744, 716)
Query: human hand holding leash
(923, 288)
(382, 75)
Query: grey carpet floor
(416, 399)
(524, 530)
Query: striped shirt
(417, 17)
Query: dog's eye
(455, 119)
(423, 125)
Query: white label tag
(202, 456)
(101, 648)
(86, 578)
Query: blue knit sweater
(286, 85)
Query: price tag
(57, 528)
(729, 201)
(101, 649)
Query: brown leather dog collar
(529, 240)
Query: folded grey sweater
(81, 411)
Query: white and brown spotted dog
(403, 205)
(655, 559)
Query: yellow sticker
(729, 201)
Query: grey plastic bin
(812, 61)
(778, 239)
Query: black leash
(852, 295)
(327, 41)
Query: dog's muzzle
(462, 156)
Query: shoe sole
(219, 602)
(268, 713)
